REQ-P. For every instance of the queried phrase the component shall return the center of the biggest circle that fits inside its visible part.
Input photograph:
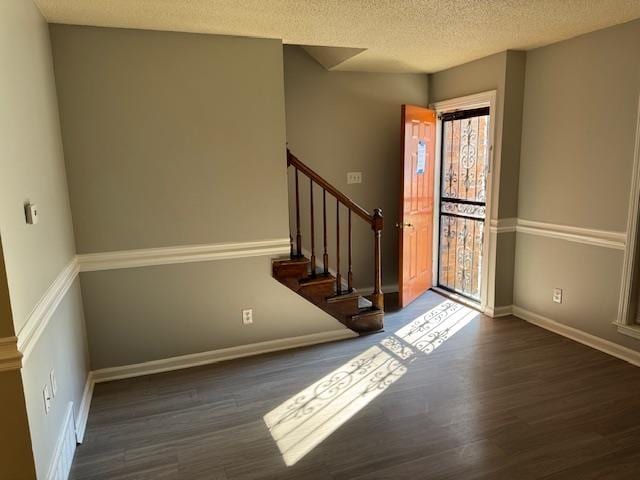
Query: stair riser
(297, 271)
(317, 293)
(345, 307)
(320, 290)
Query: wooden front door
(416, 202)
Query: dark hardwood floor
(497, 399)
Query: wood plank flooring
(498, 399)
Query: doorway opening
(447, 219)
(464, 168)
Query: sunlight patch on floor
(306, 419)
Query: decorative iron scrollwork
(462, 204)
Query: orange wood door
(416, 202)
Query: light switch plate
(247, 316)
(31, 213)
(354, 177)
(557, 295)
(46, 396)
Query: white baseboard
(592, 341)
(83, 412)
(502, 311)
(65, 448)
(630, 330)
(213, 356)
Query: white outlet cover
(54, 382)
(247, 316)
(557, 295)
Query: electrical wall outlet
(46, 396)
(354, 177)
(557, 295)
(247, 316)
(54, 383)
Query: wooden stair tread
(317, 280)
(369, 311)
(292, 261)
(343, 297)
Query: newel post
(377, 297)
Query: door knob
(403, 225)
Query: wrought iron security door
(464, 169)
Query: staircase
(318, 284)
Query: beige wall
(503, 72)
(515, 67)
(171, 138)
(174, 139)
(32, 169)
(142, 314)
(339, 122)
(31, 160)
(505, 265)
(509, 173)
(579, 124)
(580, 108)
(62, 348)
(478, 76)
(589, 275)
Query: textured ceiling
(398, 35)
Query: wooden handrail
(375, 220)
(342, 198)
